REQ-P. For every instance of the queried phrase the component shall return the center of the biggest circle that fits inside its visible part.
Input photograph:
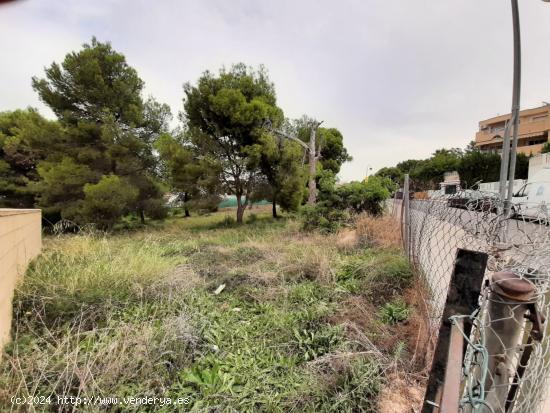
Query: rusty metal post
(508, 302)
(453, 374)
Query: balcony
(526, 128)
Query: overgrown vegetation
(109, 139)
(336, 204)
(472, 164)
(144, 313)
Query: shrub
(365, 195)
(323, 218)
(106, 201)
(315, 343)
(155, 208)
(394, 312)
(335, 203)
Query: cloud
(399, 79)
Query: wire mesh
(493, 364)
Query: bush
(365, 195)
(394, 312)
(322, 218)
(335, 203)
(155, 208)
(107, 201)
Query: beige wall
(534, 123)
(20, 241)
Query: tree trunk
(185, 208)
(312, 198)
(274, 206)
(142, 216)
(240, 209)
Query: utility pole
(507, 158)
(314, 154)
(516, 91)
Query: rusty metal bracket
(536, 334)
(453, 374)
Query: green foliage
(26, 138)
(355, 389)
(136, 310)
(208, 380)
(333, 152)
(90, 84)
(522, 166)
(322, 217)
(336, 202)
(365, 196)
(476, 165)
(429, 173)
(185, 172)
(280, 162)
(61, 187)
(330, 143)
(105, 202)
(108, 129)
(545, 148)
(472, 165)
(225, 115)
(394, 312)
(393, 173)
(315, 343)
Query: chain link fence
(507, 356)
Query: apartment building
(534, 125)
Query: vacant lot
(260, 317)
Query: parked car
(532, 200)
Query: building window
(538, 117)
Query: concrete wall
(20, 242)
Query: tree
(476, 165)
(545, 148)
(365, 196)
(280, 161)
(26, 138)
(109, 129)
(429, 173)
(393, 173)
(225, 115)
(61, 187)
(333, 151)
(185, 172)
(324, 148)
(105, 202)
(522, 166)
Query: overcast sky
(398, 78)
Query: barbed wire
(502, 360)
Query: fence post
(507, 306)
(407, 217)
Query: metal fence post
(507, 306)
(407, 217)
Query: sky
(398, 78)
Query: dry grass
(383, 231)
(134, 313)
(95, 363)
